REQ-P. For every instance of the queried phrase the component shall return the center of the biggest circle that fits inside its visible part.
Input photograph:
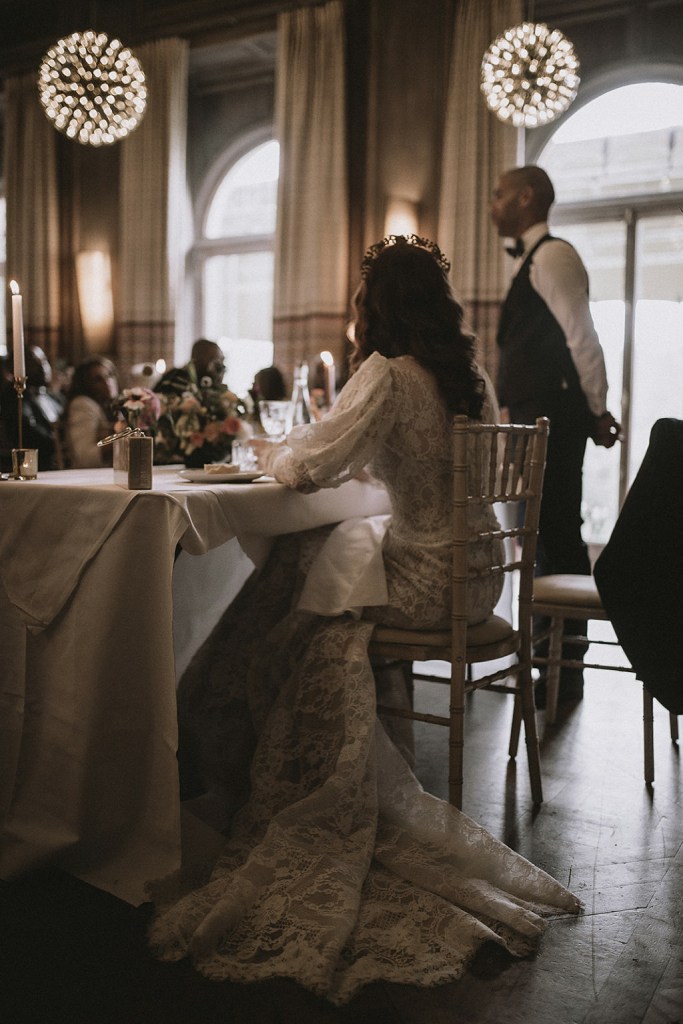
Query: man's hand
(607, 430)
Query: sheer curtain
(311, 241)
(477, 147)
(154, 209)
(32, 212)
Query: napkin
(348, 573)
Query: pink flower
(231, 425)
(141, 406)
(188, 403)
(213, 430)
(141, 398)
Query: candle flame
(327, 358)
(14, 287)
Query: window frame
(205, 248)
(630, 209)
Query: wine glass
(276, 418)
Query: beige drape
(311, 243)
(32, 212)
(154, 209)
(477, 148)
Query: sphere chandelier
(529, 75)
(92, 88)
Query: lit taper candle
(18, 330)
(327, 360)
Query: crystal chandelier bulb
(529, 75)
(92, 88)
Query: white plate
(200, 476)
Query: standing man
(551, 364)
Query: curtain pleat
(477, 148)
(154, 210)
(311, 240)
(32, 212)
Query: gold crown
(422, 243)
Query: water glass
(243, 456)
(276, 418)
(24, 463)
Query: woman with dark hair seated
(338, 869)
(269, 385)
(42, 408)
(89, 414)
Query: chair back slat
(494, 465)
(492, 473)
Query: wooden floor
(70, 954)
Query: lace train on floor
(340, 869)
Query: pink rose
(231, 425)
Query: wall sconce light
(401, 217)
(93, 276)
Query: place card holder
(133, 459)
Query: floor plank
(71, 954)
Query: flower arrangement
(199, 423)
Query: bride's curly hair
(405, 306)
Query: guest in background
(269, 386)
(207, 361)
(89, 413)
(62, 373)
(5, 446)
(41, 413)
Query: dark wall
(611, 33)
(221, 113)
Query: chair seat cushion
(493, 630)
(567, 589)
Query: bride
(338, 869)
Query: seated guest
(5, 446)
(207, 361)
(41, 413)
(338, 869)
(269, 384)
(89, 415)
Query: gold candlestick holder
(20, 387)
(24, 460)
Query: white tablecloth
(89, 605)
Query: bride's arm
(338, 447)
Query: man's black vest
(535, 362)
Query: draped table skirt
(105, 594)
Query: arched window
(617, 167)
(234, 261)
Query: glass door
(635, 267)
(617, 166)
(602, 246)
(657, 381)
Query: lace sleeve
(338, 447)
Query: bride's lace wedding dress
(339, 869)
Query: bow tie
(515, 250)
